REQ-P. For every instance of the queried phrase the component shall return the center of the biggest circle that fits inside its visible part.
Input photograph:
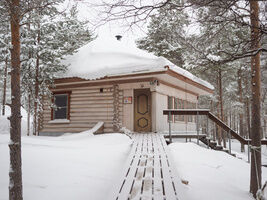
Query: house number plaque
(127, 100)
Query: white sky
(109, 29)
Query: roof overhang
(167, 77)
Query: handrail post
(170, 135)
(197, 129)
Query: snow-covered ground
(84, 166)
(68, 167)
(212, 174)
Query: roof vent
(118, 37)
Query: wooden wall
(87, 107)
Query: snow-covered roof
(107, 57)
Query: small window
(61, 106)
(170, 103)
(101, 90)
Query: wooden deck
(148, 172)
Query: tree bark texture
(15, 174)
(255, 176)
(221, 106)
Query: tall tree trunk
(240, 94)
(4, 88)
(36, 95)
(35, 123)
(221, 116)
(255, 176)
(15, 174)
(218, 129)
(213, 130)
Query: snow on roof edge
(103, 58)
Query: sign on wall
(127, 100)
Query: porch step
(219, 148)
(213, 145)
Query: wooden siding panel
(88, 106)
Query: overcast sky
(109, 29)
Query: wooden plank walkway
(148, 172)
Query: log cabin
(116, 83)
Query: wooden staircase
(203, 138)
(210, 143)
(212, 117)
(213, 145)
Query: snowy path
(148, 173)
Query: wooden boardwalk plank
(147, 174)
(158, 187)
(167, 178)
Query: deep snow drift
(66, 167)
(212, 174)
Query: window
(190, 117)
(180, 106)
(61, 108)
(176, 107)
(170, 103)
(170, 106)
(176, 103)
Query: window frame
(68, 93)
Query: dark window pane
(170, 106)
(60, 113)
(175, 103)
(175, 107)
(181, 106)
(61, 103)
(61, 100)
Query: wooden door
(142, 110)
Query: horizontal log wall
(87, 107)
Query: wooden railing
(211, 117)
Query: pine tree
(50, 36)
(5, 44)
(165, 33)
